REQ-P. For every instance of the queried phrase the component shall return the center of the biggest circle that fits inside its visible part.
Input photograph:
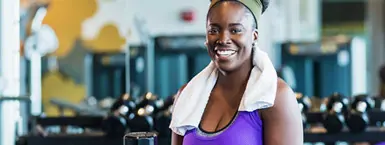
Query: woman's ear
(206, 44)
(255, 35)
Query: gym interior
(98, 72)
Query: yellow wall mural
(55, 85)
(108, 40)
(66, 18)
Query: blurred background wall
(75, 51)
(108, 26)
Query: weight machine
(321, 69)
(159, 65)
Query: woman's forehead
(228, 12)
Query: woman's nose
(224, 38)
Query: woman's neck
(235, 79)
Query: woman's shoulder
(284, 92)
(284, 111)
(177, 94)
(283, 89)
(285, 97)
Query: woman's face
(230, 35)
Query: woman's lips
(224, 54)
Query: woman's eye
(213, 31)
(236, 30)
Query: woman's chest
(219, 112)
(245, 130)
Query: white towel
(190, 103)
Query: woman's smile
(224, 54)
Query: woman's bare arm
(176, 139)
(282, 122)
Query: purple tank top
(244, 129)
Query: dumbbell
(379, 107)
(382, 74)
(116, 123)
(142, 120)
(163, 106)
(337, 109)
(304, 104)
(382, 78)
(163, 118)
(146, 99)
(379, 103)
(106, 103)
(130, 105)
(358, 120)
(141, 138)
(142, 117)
(114, 126)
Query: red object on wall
(188, 15)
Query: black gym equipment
(163, 118)
(379, 103)
(312, 65)
(382, 77)
(106, 73)
(337, 109)
(165, 105)
(358, 119)
(151, 114)
(114, 126)
(128, 115)
(161, 122)
(146, 113)
(146, 99)
(141, 119)
(304, 104)
(382, 74)
(116, 123)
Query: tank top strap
(256, 118)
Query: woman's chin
(225, 67)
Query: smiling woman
(230, 35)
(237, 98)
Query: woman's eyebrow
(235, 24)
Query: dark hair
(265, 5)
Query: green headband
(255, 6)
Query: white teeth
(225, 52)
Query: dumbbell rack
(99, 139)
(372, 134)
(79, 109)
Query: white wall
(283, 21)
(10, 71)
(376, 31)
(161, 17)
